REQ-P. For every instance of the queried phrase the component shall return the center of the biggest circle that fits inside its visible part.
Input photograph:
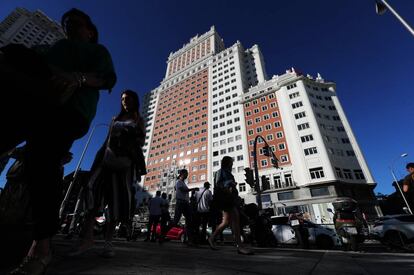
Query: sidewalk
(176, 258)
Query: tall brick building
(215, 100)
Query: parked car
(175, 233)
(396, 231)
(322, 237)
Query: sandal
(33, 265)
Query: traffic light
(274, 162)
(249, 177)
(265, 183)
(266, 151)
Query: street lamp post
(396, 181)
(256, 169)
(382, 6)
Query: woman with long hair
(225, 197)
(112, 178)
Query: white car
(395, 230)
(322, 237)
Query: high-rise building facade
(214, 101)
(29, 28)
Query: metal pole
(256, 173)
(75, 174)
(402, 193)
(405, 24)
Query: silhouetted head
(78, 26)
(183, 174)
(227, 163)
(158, 193)
(410, 167)
(164, 195)
(207, 185)
(129, 104)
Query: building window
(278, 182)
(289, 180)
(297, 105)
(348, 174)
(338, 172)
(285, 196)
(279, 134)
(293, 95)
(319, 191)
(264, 163)
(316, 173)
(284, 158)
(310, 151)
(300, 115)
(303, 126)
(359, 175)
(306, 138)
(282, 146)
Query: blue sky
(370, 57)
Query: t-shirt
(84, 57)
(181, 194)
(203, 203)
(223, 179)
(154, 206)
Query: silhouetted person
(154, 207)
(204, 198)
(112, 174)
(182, 205)
(226, 199)
(408, 185)
(80, 67)
(165, 216)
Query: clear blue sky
(370, 57)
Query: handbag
(112, 159)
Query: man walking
(204, 198)
(408, 185)
(182, 205)
(154, 207)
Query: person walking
(226, 199)
(112, 176)
(182, 205)
(154, 207)
(165, 217)
(408, 185)
(82, 67)
(204, 198)
(297, 222)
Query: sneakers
(33, 266)
(108, 251)
(244, 250)
(212, 244)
